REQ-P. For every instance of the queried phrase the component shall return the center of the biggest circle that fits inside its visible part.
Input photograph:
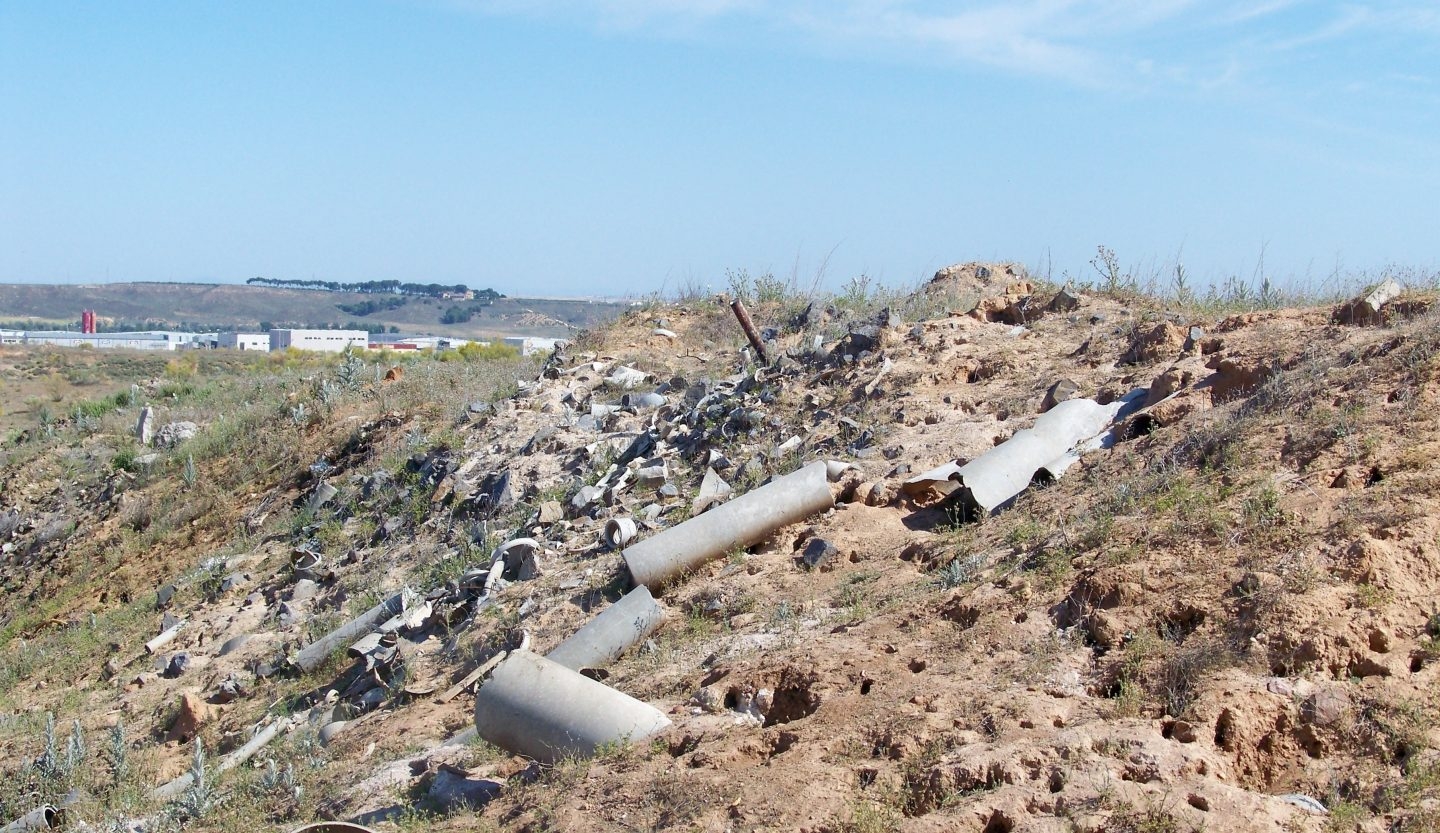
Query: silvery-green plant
(75, 749)
(199, 798)
(49, 765)
(348, 372)
(117, 752)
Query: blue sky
(625, 146)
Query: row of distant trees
(430, 290)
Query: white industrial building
(529, 345)
(325, 341)
(243, 341)
(153, 340)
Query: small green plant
(1372, 597)
(348, 372)
(855, 595)
(50, 764)
(856, 295)
(960, 570)
(1113, 278)
(1151, 818)
(870, 817)
(75, 749)
(189, 473)
(1345, 817)
(117, 753)
(276, 782)
(1129, 687)
(199, 798)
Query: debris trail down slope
(1219, 618)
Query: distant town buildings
(329, 341)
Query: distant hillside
(246, 307)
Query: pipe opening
(1143, 425)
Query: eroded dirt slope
(1226, 621)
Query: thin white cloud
(1104, 43)
(1246, 12)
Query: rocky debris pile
(1148, 624)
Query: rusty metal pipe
(743, 316)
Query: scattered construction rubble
(910, 567)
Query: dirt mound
(1213, 611)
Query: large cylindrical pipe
(741, 522)
(619, 627)
(44, 817)
(532, 706)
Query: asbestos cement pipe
(174, 788)
(164, 638)
(538, 708)
(992, 481)
(742, 522)
(44, 817)
(618, 532)
(321, 648)
(617, 629)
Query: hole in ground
(794, 698)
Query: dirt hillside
(233, 306)
(1221, 617)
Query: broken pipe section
(614, 631)
(320, 649)
(993, 480)
(535, 707)
(44, 817)
(742, 522)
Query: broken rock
(191, 716)
(819, 554)
(1366, 309)
(145, 426)
(713, 490)
(174, 433)
(1161, 341)
(1066, 300)
(1059, 392)
(1326, 707)
(450, 791)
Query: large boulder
(172, 434)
